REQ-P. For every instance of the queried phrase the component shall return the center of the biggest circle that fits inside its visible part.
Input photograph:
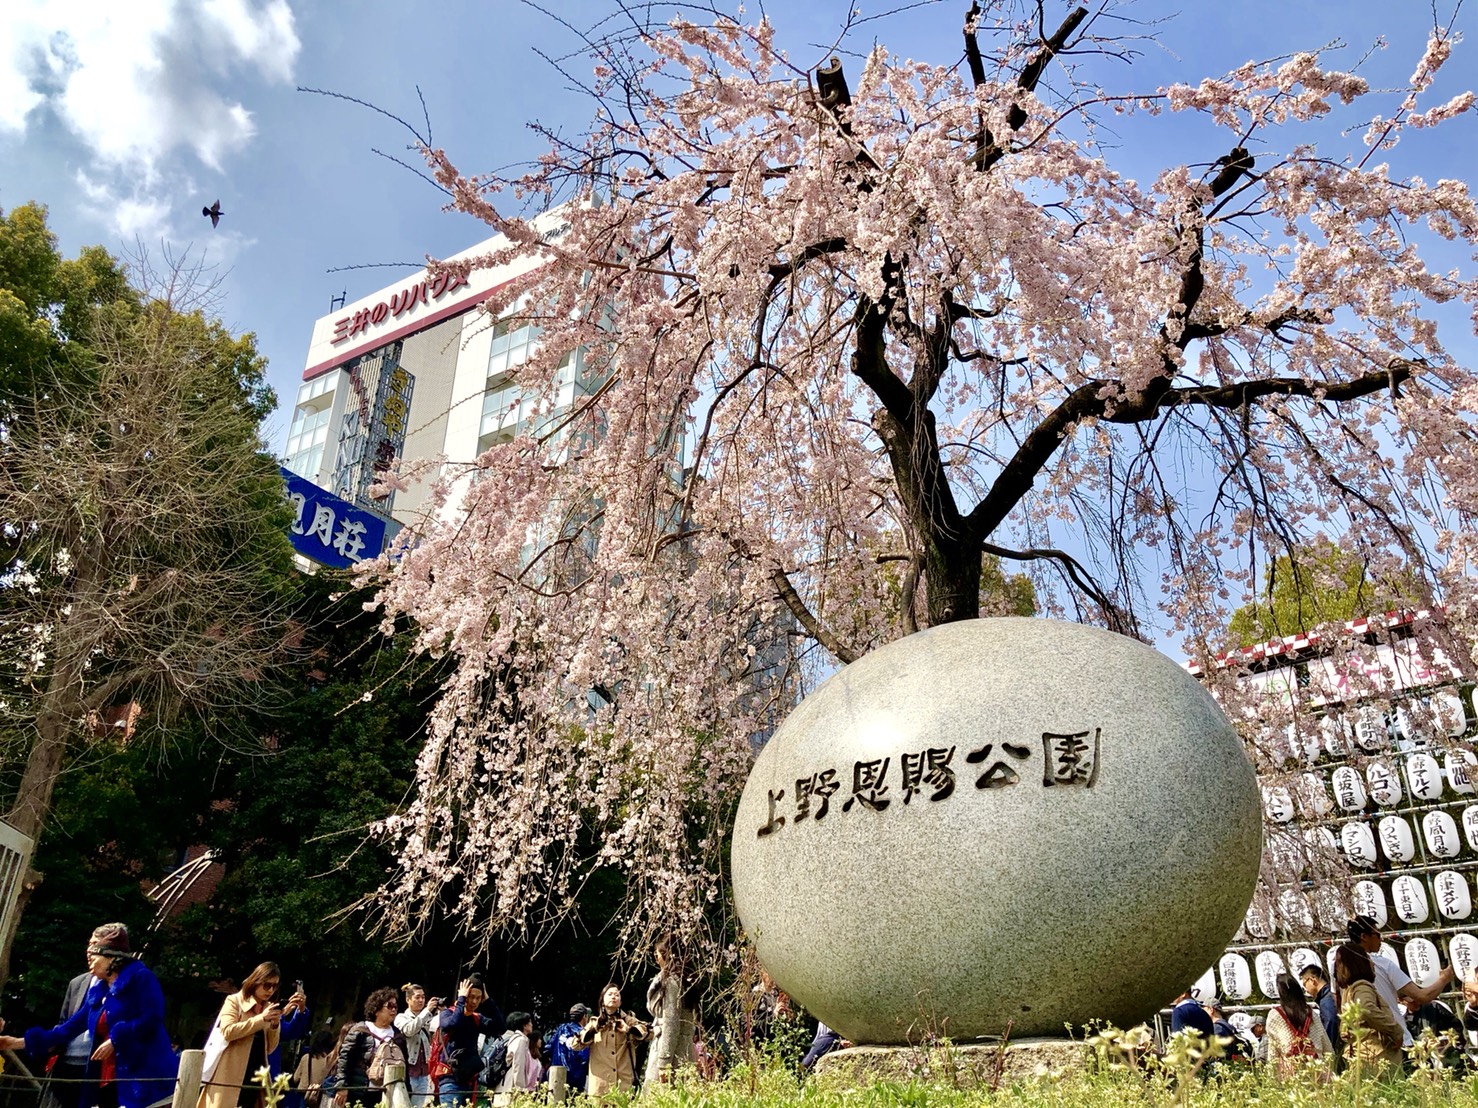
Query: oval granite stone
(993, 823)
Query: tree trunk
(951, 580)
(59, 715)
(948, 545)
(28, 816)
(33, 801)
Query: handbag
(215, 1047)
(437, 1066)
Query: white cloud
(266, 37)
(17, 99)
(136, 216)
(144, 86)
(137, 81)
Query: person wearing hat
(565, 1048)
(1221, 1027)
(1259, 1031)
(124, 1011)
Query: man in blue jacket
(1316, 983)
(473, 1016)
(566, 1050)
(124, 1011)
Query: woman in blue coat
(124, 1010)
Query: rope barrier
(21, 1079)
(47, 1079)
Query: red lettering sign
(399, 303)
(402, 301)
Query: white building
(413, 370)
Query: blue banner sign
(330, 530)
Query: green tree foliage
(1001, 593)
(47, 302)
(285, 807)
(293, 833)
(122, 810)
(1005, 594)
(1319, 582)
(145, 557)
(337, 754)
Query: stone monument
(993, 823)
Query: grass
(1112, 1089)
(1184, 1076)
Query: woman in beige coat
(612, 1036)
(1373, 1042)
(249, 1023)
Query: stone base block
(976, 1065)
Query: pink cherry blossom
(836, 351)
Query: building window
(513, 342)
(309, 429)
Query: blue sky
(127, 118)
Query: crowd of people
(111, 1048)
(1370, 1015)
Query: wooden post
(559, 1088)
(187, 1087)
(397, 1092)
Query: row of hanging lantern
(1378, 726)
(1389, 790)
(1378, 784)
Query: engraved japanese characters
(998, 820)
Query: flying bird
(214, 212)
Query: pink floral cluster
(637, 589)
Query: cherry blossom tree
(851, 332)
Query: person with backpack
(455, 1060)
(507, 1070)
(1295, 1034)
(368, 1049)
(565, 1049)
